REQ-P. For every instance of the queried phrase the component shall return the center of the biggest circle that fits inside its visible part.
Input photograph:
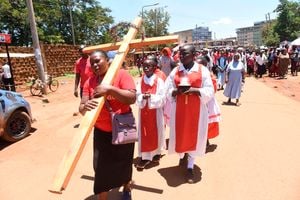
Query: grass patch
(134, 72)
(71, 75)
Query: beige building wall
(185, 36)
(250, 36)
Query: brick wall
(59, 60)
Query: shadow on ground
(175, 181)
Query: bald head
(188, 48)
(187, 53)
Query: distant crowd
(275, 62)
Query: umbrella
(296, 42)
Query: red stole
(213, 130)
(214, 81)
(187, 112)
(149, 133)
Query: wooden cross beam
(71, 158)
(134, 44)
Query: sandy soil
(256, 155)
(289, 87)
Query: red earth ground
(241, 166)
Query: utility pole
(36, 45)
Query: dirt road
(256, 155)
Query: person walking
(189, 87)
(7, 78)
(150, 100)
(166, 61)
(214, 112)
(283, 63)
(295, 57)
(221, 68)
(235, 76)
(112, 163)
(82, 71)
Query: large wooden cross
(71, 158)
(134, 44)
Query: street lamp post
(71, 21)
(155, 4)
(143, 28)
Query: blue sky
(222, 17)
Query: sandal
(142, 164)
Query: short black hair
(153, 58)
(203, 60)
(103, 53)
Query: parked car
(15, 116)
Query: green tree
(270, 37)
(156, 22)
(14, 21)
(91, 21)
(288, 21)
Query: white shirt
(6, 71)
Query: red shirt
(122, 80)
(83, 67)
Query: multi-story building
(250, 36)
(201, 34)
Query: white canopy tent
(296, 42)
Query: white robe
(214, 111)
(207, 92)
(156, 101)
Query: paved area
(256, 155)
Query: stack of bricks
(59, 60)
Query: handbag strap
(107, 104)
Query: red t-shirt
(83, 67)
(123, 80)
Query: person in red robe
(214, 113)
(150, 100)
(189, 88)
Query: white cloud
(223, 20)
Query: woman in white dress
(235, 76)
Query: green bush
(134, 72)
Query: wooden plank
(71, 158)
(134, 44)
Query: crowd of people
(176, 89)
(274, 62)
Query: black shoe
(142, 164)
(190, 176)
(207, 143)
(126, 195)
(156, 158)
(183, 161)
